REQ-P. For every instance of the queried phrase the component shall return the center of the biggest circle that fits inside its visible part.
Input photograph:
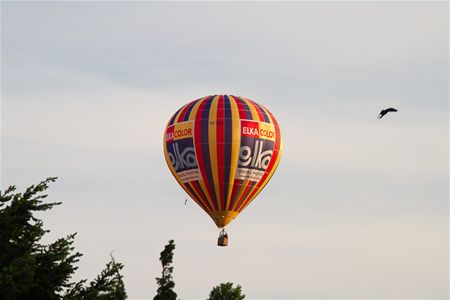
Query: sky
(358, 207)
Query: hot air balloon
(222, 150)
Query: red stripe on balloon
(262, 110)
(199, 123)
(239, 200)
(236, 184)
(172, 120)
(183, 112)
(245, 195)
(255, 107)
(202, 196)
(198, 201)
(241, 107)
(248, 197)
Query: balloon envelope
(222, 150)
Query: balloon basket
(222, 241)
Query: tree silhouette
(30, 270)
(165, 282)
(226, 291)
(107, 286)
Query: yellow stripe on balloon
(252, 108)
(247, 182)
(195, 109)
(212, 136)
(175, 120)
(239, 194)
(237, 132)
(205, 192)
(235, 143)
(201, 182)
(197, 197)
(267, 114)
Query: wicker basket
(222, 241)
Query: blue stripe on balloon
(172, 120)
(227, 142)
(266, 117)
(248, 113)
(205, 148)
(188, 111)
(191, 190)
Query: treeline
(31, 270)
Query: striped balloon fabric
(222, 150)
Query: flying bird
(185, 201)
(385, 111)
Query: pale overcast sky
(358, 207)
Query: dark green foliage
(30, 270)
(166, 283)
(107, 286)
(226, 291)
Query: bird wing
(391, 109)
